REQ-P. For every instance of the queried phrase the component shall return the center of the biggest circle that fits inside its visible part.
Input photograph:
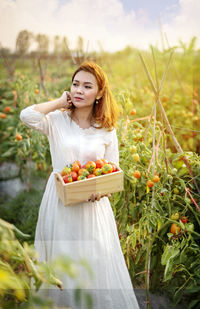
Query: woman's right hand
(65, 100)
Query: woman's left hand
(97, 197)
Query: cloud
(185, 24)
(94, 20)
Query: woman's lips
(78, 99)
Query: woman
(84, 132)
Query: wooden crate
(81, 190)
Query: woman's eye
(74, 84)
(89, 87)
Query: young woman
(85, 131)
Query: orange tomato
(75, 167)
(66, 170)
(7, 109)
(133, 112)
(2, 115)
(156, 178)
(150, 183)
(83, 172)
(137, 174)
(18, 137)
(175, 229)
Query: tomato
(97, 171)
(83, 172)
(137, 174)
(81, 177)
(133, 149)
(176, 191)
(107, 168)
(175, 216)
(2, 115)
(104, 161)
(99, 163)
(164, 99)
(156, 178)
(184, 219)
(133, 111)
(189, 227)
(74, 176)
(136, 157)
(75, 167)
(18, 137)
(66, 170)
(77, 162)
(67, 178)
(91, 176)
(114, 167)
(175, 229)
(7, 109)
(150, 183)
(90, 166)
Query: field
(158, 213)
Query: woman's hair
(104, 113)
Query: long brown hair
(104, 113)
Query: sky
(114, 23)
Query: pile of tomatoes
(75, 171)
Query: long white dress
(86, 230)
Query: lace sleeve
(112, 150)
(35, 119)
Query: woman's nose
(79, 89)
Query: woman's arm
(63, 102)
(37, 116)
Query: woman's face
(84, 89)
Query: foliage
(145, 215)
(21, 272)
(22, 211)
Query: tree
(43, 43)
(23, 42)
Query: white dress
(86, 230)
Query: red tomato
(74, 176)
(97, 171)
(67, 178)
(184, 219)
(107, 168)
(91, 176)
(99, 163)
(90, 166)
(114, 167)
